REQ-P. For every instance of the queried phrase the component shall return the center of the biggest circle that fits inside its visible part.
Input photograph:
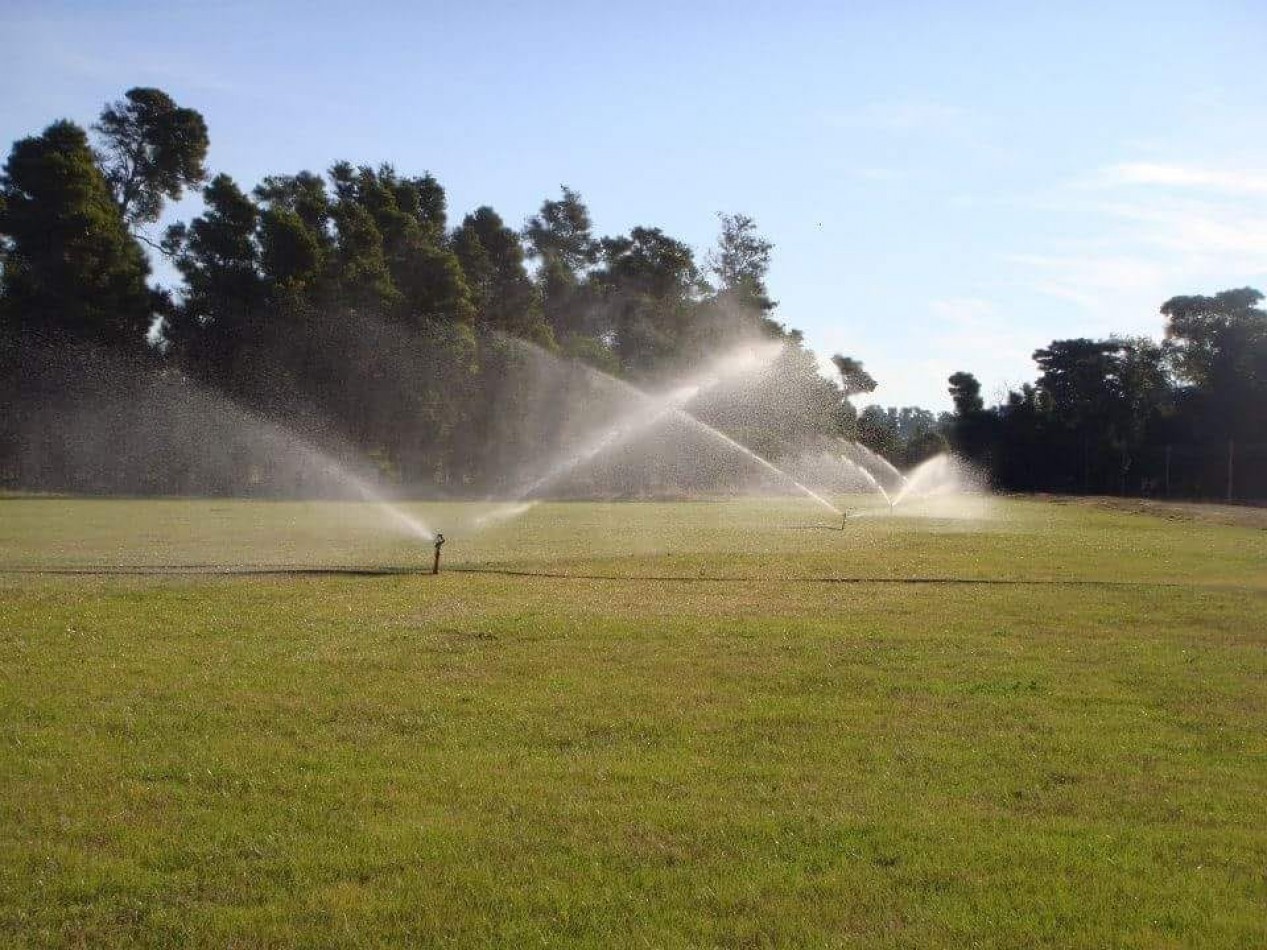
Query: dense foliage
(346, 307)
(1186, 416)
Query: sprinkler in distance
(439, 542)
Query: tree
(393, 257)
(151, 149)
(70, 265)
(359, 264)
(1144, 384)
(560, 236)
(912, 422)
(1080, 377)
(972, 429)
(1099, 396)
(218, 254)
(295, 238)
(291, 253)
(877, 430)
(854, 380)
(923, 446)
(305, 195)
(965, 390)
(1219, 348)
(492, 259)
(1029, 456)
(1202, 328)
(562, 231)
(740, 262)
(646, 297)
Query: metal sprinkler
(439, 542)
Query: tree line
(1185, 416)
(348, 303)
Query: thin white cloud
(878, 174)
(1090, 279)
(1152, 230)
(1182, 176)
(904, 115)
(958, 333)
(74, 48)
(963, 310)
(977, 326)
(1201, 229)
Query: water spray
(439, 542)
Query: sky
(947, 186)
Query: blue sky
(948, 186)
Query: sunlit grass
(588, 739)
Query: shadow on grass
(215, 570)
(740, 578)
(212, 570)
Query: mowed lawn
(607, 725)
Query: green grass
(706, 724)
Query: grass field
(663, 725)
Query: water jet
(640, 413)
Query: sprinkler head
(435, 565)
